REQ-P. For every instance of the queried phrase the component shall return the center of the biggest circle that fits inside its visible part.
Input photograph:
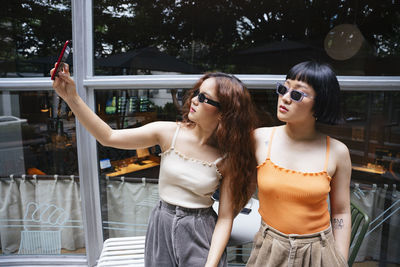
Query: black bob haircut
(322, 79)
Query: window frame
(87, 83)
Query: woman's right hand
(63, 84)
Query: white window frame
(87, 83)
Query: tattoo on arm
(337, 223)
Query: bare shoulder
(159, 128)
(164, 130)
(341, 157)
(340, 170)
(262, 134)
(262, 137)
(165, 125)
(338, 148)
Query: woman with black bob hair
(323, 80)
(298, 168)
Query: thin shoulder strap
(327, 153)
(270, 142)
(175, 135)
(219, 159)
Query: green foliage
(208, 34)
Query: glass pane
(371, 131)
(129, 178)
(372, 134)
(32, 34)
(162, 37)
(40, 208)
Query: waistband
(182, 210)
(289, 238)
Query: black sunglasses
(203, 99)
(295, 95)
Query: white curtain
(129, 207)
(40, 205)
(10, 209)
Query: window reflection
(46, 132)
(32, 34)
(129, 178)
(192, 37)
(125, 171)
(259, 37)
(371, 131)
(40, 209)
(123, 109)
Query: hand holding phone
(61, 59)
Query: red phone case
(67, 43)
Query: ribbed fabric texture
(187, 182)
(293, 202)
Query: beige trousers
(273, 248)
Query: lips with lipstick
(283, 109)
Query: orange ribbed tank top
(293, 202)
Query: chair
(359, 227)
(122, 251)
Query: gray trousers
(178, 236)
(275, 249)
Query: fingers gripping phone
(61, 59)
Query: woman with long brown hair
(211, 148)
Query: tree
(234, 36)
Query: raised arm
(145, 136)
(340, 199)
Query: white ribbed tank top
(185, 181)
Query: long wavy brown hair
(233, 135)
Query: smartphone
(62, 58)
